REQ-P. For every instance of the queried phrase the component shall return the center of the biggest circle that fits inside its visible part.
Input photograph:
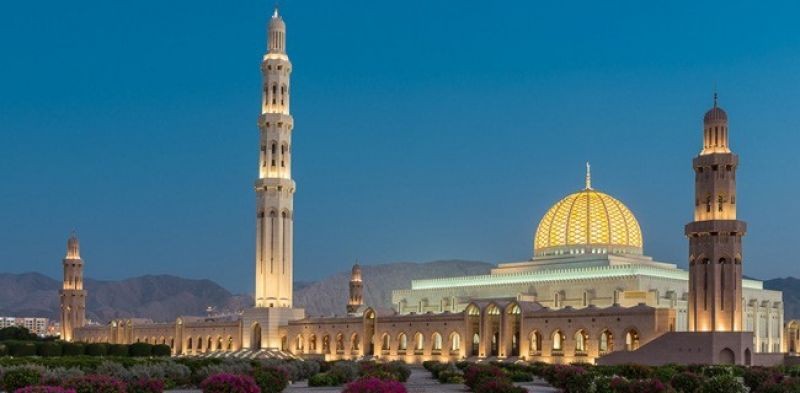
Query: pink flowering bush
(95, 384)
(146, 386)
(229, 383)
(44, 389)
(477, 373)
(374, 385)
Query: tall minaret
(274, 187)
(356, 299)
(715, 235)
(73, 296)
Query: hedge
(21, 348)
(140, 350)
(73, 349)
(97, 349)
(162, 350)
(117, 350)
(49, 349)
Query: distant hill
(164, 297)
(160, 298)
(329, 296)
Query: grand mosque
(589, 292)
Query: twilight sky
(423, 129)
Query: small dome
(715, 114)
(588, 221)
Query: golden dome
(588, 222)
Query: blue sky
(424, 130)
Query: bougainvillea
(44, 389)
(96, 384)
(229, 383)
(374, 385)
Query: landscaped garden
(582, 378)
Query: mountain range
(165, 297)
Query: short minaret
(275, 187)
(73, 296)
(715, 235)
(356, 299)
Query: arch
(402, 342)
(312, 343)
(748, 357)
(419, 342)
(605, 341)
(255, 336)
(230, 343)
(208, 347)
(726, 356)
(284, 343)
(436, 340)
(492, 317)
(199, 344)
(631, 340)
(535, 345)
(172, 342)
(581, 340)
(558, 341)
(472, 319)
(189, 344)
(385, 342)
(298, 343)
(326, 343)
(355, 342)
(455, 342)
(219, 343)
(339, 342)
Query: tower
(715, 235)
(72, 294)
(356, 299)
(274, 186)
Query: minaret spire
(588, 176)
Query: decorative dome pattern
(588, 221)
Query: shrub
(20, 377)
(49, 349)
(374, 385)
(756, 377)
(146, 386)
(322, 379)
(57, 376)
(21, 348)
(635, 371)
(271, 379)
(43, 389)
(97, 349)
(140, 350)
(3, 349)
(228, 366)
(72, 349)
(344, 371)
(17, 333)
(162, 350)
(96, 384)
(113, 369)
(723, 384)
(450, 374)
(229, 383)
(571, 379)
(477, 373)
(520, 376)
(117, 350)
(654, 385)
(686, 382)
(497, 386)
(786, 385)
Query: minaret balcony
(284, 119)
(715, 226)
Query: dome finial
(715, 95)
(588, 176)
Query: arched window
(385, 342)
(402, 342)
(189, 343)
(208, 347)
(274, 94)
(283, 94)
(354, 341)
(631, 340)
(606, 343)
(298, 343)
(312, 342)
(230, 343)
(340, 342)
(419, 342)
(326, 343)
(455, 342)
(437, 342)
(199, 343)
(536, 341)
(558, 341)
(580, 341)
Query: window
(631, 340)
(455, 342)
(385, 344)
(437, 342)
(606, 343)
(419, 341)
(580, 341)
(402, 342)
(558, 341)
(536, 342)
